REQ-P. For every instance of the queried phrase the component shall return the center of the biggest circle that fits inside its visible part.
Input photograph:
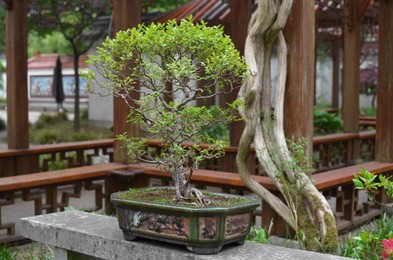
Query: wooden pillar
(17, 93)
(299, 95)
(126, 14)
(351, 74)
(238, 24)
(335, 50)
(384, 137)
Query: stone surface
(100, 236)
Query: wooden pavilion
(339, 21)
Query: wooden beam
(384, 137)
(362, 8)
(351, 73)
(126, 14)
(17, 93)
(299, 95)
(238, 23)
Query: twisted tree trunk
(305, 209)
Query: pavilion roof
(211, 11)
(330, 16)
(48, 61)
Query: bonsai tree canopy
(171, 66)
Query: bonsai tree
(171, 66)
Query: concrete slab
(99, 236)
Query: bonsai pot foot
(128, 236)
(201, 250)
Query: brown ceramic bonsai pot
(204, 230)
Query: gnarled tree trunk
(305, 209)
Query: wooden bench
(50, 181)
(336, 184)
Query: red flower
(388, 245)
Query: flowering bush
(388, 251)
(375, 242)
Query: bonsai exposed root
(200, 197)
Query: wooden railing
(42, 158)
(330, 152)
(51, 157)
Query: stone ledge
(100, 237)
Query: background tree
(51, 42)
(75, 20)
(305, 209)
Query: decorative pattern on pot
(159, 223)
(208, 228)
(237, 225)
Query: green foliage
(259, 235)
(7, 254)
(85, 114)
(368, 244)
(298, 154)
(53, 42)
(45, 120)
(82, 136)
(2, 71)
(48, 136)
(42, 252)
(216, 131)
(165, 5)
(71, 19)
(326, 123)
(192, 57)
(369, 111)
(57, 128)
(369, 182)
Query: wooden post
(384, 136)
(17, 93)
(299, 95)
(335, 49)
(238, 24)
(126, 14)
(351, 76)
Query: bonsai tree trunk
(305, 209)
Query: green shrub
(369, 111)
(60, 116)
(7, 254)
(84, 114)
(48, 136)
(45, 120)
(326, 123)
(82, 136)
(368, 244)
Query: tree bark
(304, 209)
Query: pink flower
(388, 245)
